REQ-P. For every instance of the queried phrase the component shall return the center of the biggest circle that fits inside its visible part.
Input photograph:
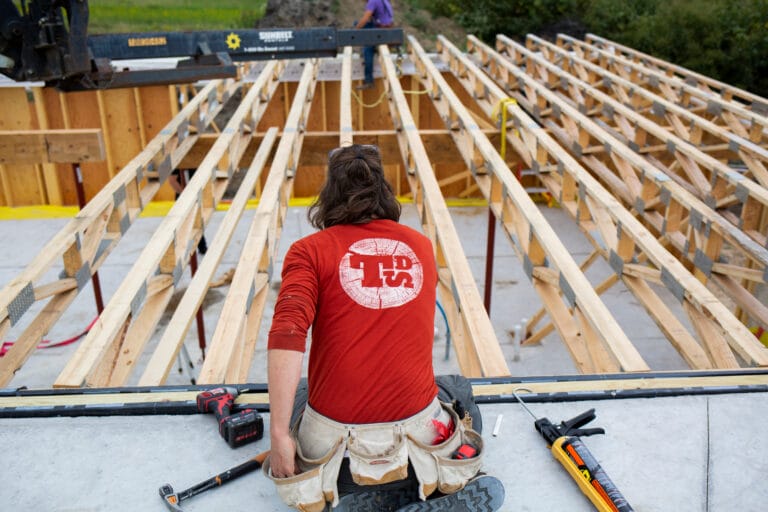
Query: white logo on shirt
(380, 273)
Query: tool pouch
(434, 465)
(377, 456)
(315, 483)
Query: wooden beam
(166, 254)
(477, 348)
(536, 238)
(51, 146)
(237, 329)
(673, 274)
(168, 347)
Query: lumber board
(167, 253)
(640, 238)
(167, 349)
(51, 146)
(21, 183)
(728, 92)
(708, 223)
(240, 316)
(532, 226)
(85, 242)
(469, 318)
(345, 100)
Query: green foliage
(515, 18)
(109, 16)
(724, 39)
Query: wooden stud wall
(664, 172)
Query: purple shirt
(382, 12)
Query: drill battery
(236, 429)
(242, 428)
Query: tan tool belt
(378, 453)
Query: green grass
(113, 16)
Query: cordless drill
(237, 429)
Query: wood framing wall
(664, 173)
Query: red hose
(6, 346)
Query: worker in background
(378, 14)
(372, 433)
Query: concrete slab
(690, 453)
(693, 453)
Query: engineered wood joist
(730, 142)
(85, 242)
(706, 135)
(235, 337)
(602, 223)
(109, 352)
(167, 349)
(736, 117)
(619, 237)
(597, 344)
(728, 92)
(477, 349)
(696, 231)
(711, 180)
(51, 146)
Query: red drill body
(237, 429)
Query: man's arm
(283, 374)
(365, 19)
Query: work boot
(482, 494)
(379, 500)
(364, 86)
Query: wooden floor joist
(234, 340)
(736, 117)
(663, 172)
(707, 84)
(708, 178)
(87, 240)
(640, 186)
(476, 345)
(597, 345)
(691, 126)
(109, 352)
(623, 239)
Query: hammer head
(170, 498)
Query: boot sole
(377, 501)
(483, 494)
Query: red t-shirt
(368, 291)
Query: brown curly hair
(355, 190)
